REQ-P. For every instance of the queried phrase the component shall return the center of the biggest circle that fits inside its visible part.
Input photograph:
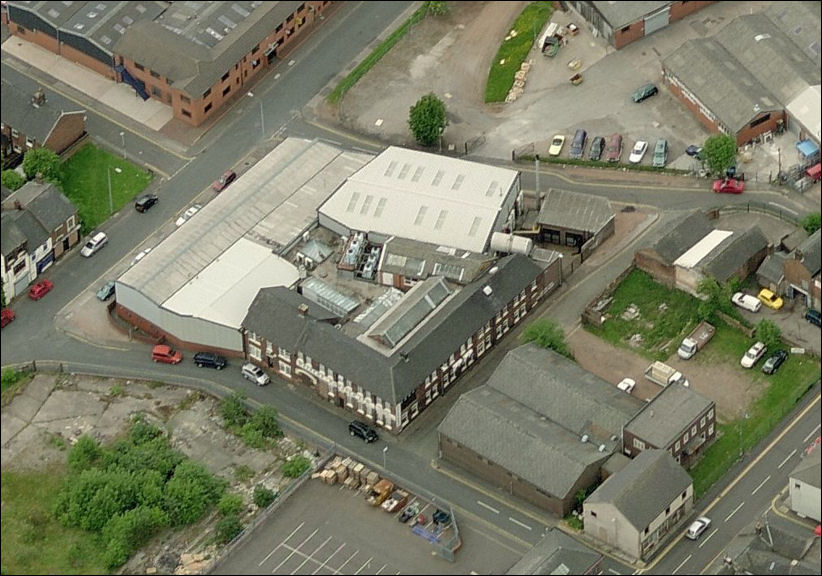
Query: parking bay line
(339, 569)
(311, 556)
(294, 551)
(761, 484)
(741, 504)
(281, 543)
(515, 521)
(487, 507)
(681, 564)
(788, 457)
(812, 432)
(708, 537)
(365, 565)
(325, 562)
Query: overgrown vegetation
(263, 497)
(11, 382)
(812, 222)
(514, 49)
(546, 333)
(257, 429)
(12, 180)
(295, 466)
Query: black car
(597, 146)
(145, 202)
(363, 430)
(813, 317)
(774, 361)
(210, 360)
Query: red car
(166, 354)
(7, 315)
(223, 181)
(40, 289)
(729, 186)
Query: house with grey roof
(558, 553)
(658, 260)
(636, 509)
(802, 272)
(26, 126)
(624, 22)
(678, 420)
(805, 486)
(771, 273)
(541, 428)
(410, 355)
(573, 219)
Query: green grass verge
(514, 51)
(11, 382)
(85, 182)
(33, 541)
(371, 60)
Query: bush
(547, 333)
(296, 466)
(810, 223)
(12, 180)
(42, 161)
(231, 504)
(228, 528)
(126, 532)
(234, 411)
(191, 491)
(266, 421)
(85, 454)
(263, 497)
(769, 333)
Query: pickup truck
(662, 374)
(696, 340)
(379, 492)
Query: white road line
(515, 521)
(681, 564)
(339, 569)
(294, 551)
(487, 507)
(381, 569)
(741, 504)
(334, 553)
(311, 556)
(812, 434)
(281, 543)
(612, 571)
(788, 457)
(364, 566)
(760, 485)
(708, 537)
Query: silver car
(255, 374)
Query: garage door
(656, 21)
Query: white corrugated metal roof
(423, 197)
(701, 249)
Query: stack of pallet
(519, 82)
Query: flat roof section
(698, 251)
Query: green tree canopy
(812, 222)
(427, 119)
(547, 333)
(42, 161)
(769, 333)
(12, 180)
(719, 152)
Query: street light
(123, 139)
(739, 432)
(262, 115)
(384, 452)
(110, 197)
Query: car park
(578, 144)
(729, 186)
(223, 181)
(363, 430)
(556, 145)
(753, 355)
(145, 202)
(638, 152)
(6, 316)
(774, 361)
(746, 301)
(660, 153)
(106, 291)
(254, 373)
(166, 354)
(627, 385)
(597, 147)
(614, 150)
(185, 216)
(210, 360)
(698, 527)
(813, 317)
(644, 92)
(40, 289)
(770, 299)
(97, 241)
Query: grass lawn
(85, 182)
(33, 541)
(515, 49)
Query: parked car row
(608, 149)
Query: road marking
(812, 433)
(760, 485)
(334, 553)
(294, 551)
(281, 544)
(612, 571)
(708, 537)
(487, 507)
(681, 564)
(783, 208)
(311, 556)
(741, 504)
(381, 569)
(367, 563)
(515, 521)
(788, 457)
(339, 569)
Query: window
(154, 74)
(19, 267)
(29, 143)
(676, 446)
(278, 28)
(225, 76)
(760, 120)
(711, 414)
(685, 438)
(594, 514)
(14, 133)
(684, 494)
(285, 368)
(207, 93)
(156, 91)
(139, 66)
(693, 430)
(186, 113)
(255, 49)
(290, 18)
(639, 444)
(208, 107)
(702, 422)
(185, 99)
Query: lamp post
(262, 115)
(123, 140)
(384, 452)
(110, 197)
(739, 433)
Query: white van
(94, 243)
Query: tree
(427, 119)
(228, 528)
(265, 420)
(190, 492)
(719, 152)
(437, 8)
(44, 162)
(547, 333)
(811, 223)
(769, 334)
(12, 180)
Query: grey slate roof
(420, 260)
(565, 393)
(36, 123)
(683, 236)
(644, 488)
(51, 208)
(34, 232)
(809, 469)
(268, 298)
(772, 268)
(201, 59)
(619, 14)
(513, 436)
(576, 211)
(811, 252)
(800, 22)
(557, 553)
(733, 253)
(396, 376)
(668, 414)
(11, 236)
(721, 82)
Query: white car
(638, 152)
(627, 385)
(185, 216)
(94, 243)
(255, 374)
(697, 527)
(753, 355)
(556, 145)
(746, 301)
